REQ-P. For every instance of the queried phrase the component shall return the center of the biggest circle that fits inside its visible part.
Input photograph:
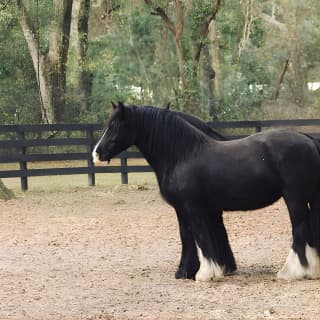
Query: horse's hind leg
(313, 254)
(300, 262)
(189, 262)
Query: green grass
(65, 183)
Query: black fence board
(44, 142)
(51, 127)
(44, 157)
(71, 171)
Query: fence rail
(19, 148)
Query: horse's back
(252, 172)
(283, 157)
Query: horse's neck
(163, 145)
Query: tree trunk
(276, 92)
(84, 75)
(204, 31)
(249, 18)
(297, 13)
(215, 61)
(297, 79)
(50, 69)
(5, 193)
(38, 64)
(209, 79)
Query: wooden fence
(23, 144)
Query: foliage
(132, 57)
(18, 88)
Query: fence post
(23, 162)
(124, 171)
(91, 175)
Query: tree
(201, 14)
(19, 102)
(50, 64)
(5, 193)
(176, 29)
(224, 58)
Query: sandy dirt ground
(89, 253)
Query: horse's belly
(248, 203)
(248, 197)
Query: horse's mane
(201, 125)
(168, 134)
(198, 123)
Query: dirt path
(94, 254)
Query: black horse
(201, 177)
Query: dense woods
(65, 60)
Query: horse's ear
(120, 105)
(114, 106)
(121, 109)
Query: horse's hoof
(183, 274)
(230, 271)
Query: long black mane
(201, 125)
(168, 136)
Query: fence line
(19, 148)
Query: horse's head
(118, 136)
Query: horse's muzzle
(97, 159)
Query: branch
(249, 18)
(205, 28)
(161, 13)
(273, 22)
(113, 8)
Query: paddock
(111, 253)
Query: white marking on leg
(208, 268)
(313, 269)
(95, 155)
(294, 270)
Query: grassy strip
(64, 183)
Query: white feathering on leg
(294, 270)
(208, 268)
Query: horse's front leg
(189, 261)
(212, 246)
(219, 238)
